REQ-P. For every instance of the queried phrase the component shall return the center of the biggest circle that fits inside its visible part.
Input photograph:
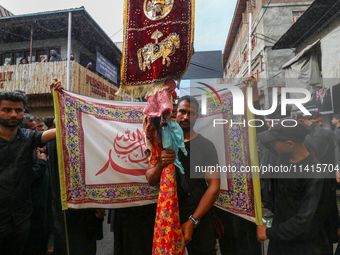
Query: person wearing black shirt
(16, 161)
(336, 123)
(195, 196)
(325, 142)
(301, 197)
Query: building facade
(270, 20)
(33, 36)
(315, 38)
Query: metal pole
(249, 73)
(69, 49)
(264, 56)
(31, 45)
(262, 249)
(249, 46)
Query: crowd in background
(54, 231)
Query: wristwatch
(195, 221)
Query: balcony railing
(35, 78)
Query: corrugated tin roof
(33, 15)
(315, 18)
(4, 12)
(204, 65)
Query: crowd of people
(31, 212)
(304, 208)
(54, 57)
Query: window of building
(245, 56)
(257, 70)
(237, 68)
(28, 56)
(249, 7)
(7, 57)
(253, 41)
(296, 15)
(42, 53)
(15, 56)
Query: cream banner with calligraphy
(121, 151)
(101, 153)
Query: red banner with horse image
(158, 43)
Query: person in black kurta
(16, 161)
(301, 198)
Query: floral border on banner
(239, 198)
(72, 132)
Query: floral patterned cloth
(168, 237)
(110, 191)
(158, 104)
(173, 139)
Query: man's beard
(187, 128)
(7, 124)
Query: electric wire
(317, 22)
(26, 38)
(51, 30)
(116, 32)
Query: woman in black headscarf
(23, 61)
(55, 56)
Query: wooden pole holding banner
(31, 45)
(69, 49)
(66, 234)
(249, 46)
(253, 145)
(59, 142)
(61, 164)
(254, 161)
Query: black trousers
(133, 230)
(239, 236)
(203, 238)
(13, 240)
(83, 229)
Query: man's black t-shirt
(301, 208)
(201, 152)
(16, 159)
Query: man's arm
(39, 166)
(154, 172)
(48, 135)
(206, 202)
(56, 85)
(210, 195)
